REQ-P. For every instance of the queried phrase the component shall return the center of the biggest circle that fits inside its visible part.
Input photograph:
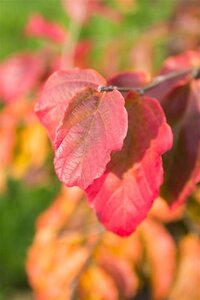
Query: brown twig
(193, 72)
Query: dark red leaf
(124, 194)
(181, 103)
(94, 125)
(182, 164)
(129, 79)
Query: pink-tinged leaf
(57, 93)
(94, 125)
(38, 26)
(184, 61)
(160, 250)
(19, 75)
(124, 194)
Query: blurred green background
(21, 204)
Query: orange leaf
(187, 286)
(161, 255)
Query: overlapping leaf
(84, 125)
(94, 125)
(57, 93)
(124, 194)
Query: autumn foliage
(126, 148)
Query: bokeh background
(145, 31)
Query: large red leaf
(124, 194)
(19, 75)
(94, 125)
(58, 91)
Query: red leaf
(38, 26)
(124, 194)
(57, 93)
(181, 62)
(19, 75)
(94, 125)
